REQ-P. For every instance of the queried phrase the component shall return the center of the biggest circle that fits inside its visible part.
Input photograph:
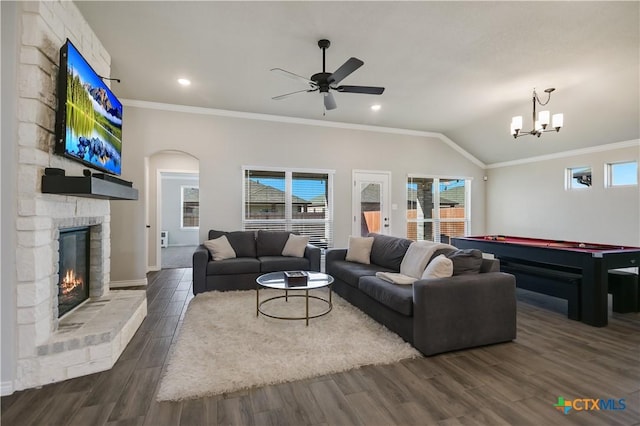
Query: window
(437, 208)
(190, 212)
(621, 174)
(578, 177)
(299, 201)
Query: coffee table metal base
(286, 297)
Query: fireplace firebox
(73, 271)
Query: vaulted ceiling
(459, 68)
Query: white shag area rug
(223, 347)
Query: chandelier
(540, 125)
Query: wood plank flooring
(508, 384)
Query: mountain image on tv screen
(93, 117)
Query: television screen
(89, 118)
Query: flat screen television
(89, 116)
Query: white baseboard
(6, 388)
(128, 283)
(154, 268)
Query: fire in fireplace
(73, 272)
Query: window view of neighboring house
(578, 177)
(287, 200)
(190, 207)
(437, 209)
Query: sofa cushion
(396, 297)
(467, 261)
(220, 248)
(350, 272)
(439, 267)
(283, 263)
(359, 249)
(295, 245)
(271, 243)
(243, 242)
(388, 252)
(239, 265)
(213, 234)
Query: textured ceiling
(459, 68)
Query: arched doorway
(173, 209)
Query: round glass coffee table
(276, 280)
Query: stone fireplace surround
(90, 338)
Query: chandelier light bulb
(558, 121)
(516, 122)
(543, 118)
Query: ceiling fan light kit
(324, 81)
(540, 125)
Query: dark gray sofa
(256, 253)
(434, 315)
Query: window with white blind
(295, 200)
(437, 208)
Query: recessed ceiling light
(375, 107)
(184, 81)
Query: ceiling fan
(324, 81)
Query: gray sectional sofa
(434, 315)
(256, 253)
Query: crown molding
(304, 121)
(564, 154)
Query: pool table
(592, 261)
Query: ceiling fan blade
(329, 101)
(294, 76)
(347, 68)
(367, 90)
(286, 95)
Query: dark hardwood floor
(515, 383)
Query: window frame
(608, 174)
(182, 189)
(288, 223)
(437, 221)
(569, 179)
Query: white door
(371, 202)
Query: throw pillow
(220, 248)
(359, 250)
(468, 261)
(295, 245)
(439, 267)
(415, 260)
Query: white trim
(153, 268)
(304, 121)
(128, 283)
(6, 388)
(564, 154)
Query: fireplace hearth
(73, 271)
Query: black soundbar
(113, 179)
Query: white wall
(530, 200)
(224, 144)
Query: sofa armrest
(313, 253)
(463, 311)
(200, 260)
